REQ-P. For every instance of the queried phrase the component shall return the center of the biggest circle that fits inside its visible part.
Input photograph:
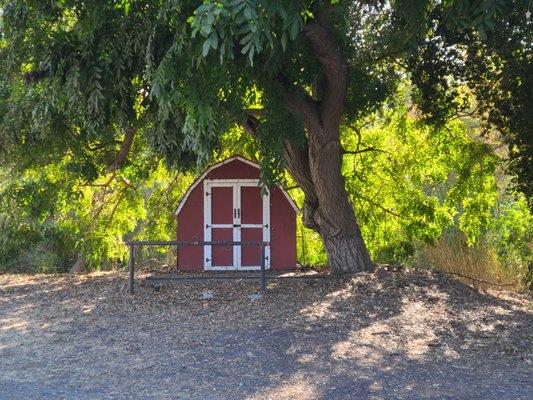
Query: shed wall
(190, 221)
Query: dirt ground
(408, 335)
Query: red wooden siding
(191, 227)
(250, 199)
(190, 221)
(222, 208)
(282, 232)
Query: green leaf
(247, 38)
(251, 55)
(482, 33)
(214, 40)
(295, 28)
(284, 41)
(246, 47)
(205, 47)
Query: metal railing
(188, 243)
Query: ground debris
(86, 337)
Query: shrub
(481, 260)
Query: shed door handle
(238, 212)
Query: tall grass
(480, 261)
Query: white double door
(235, 211)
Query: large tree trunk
(328, 209)
(347, 254)
(316, 166)
(334, 215)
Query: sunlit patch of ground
(296, 386)
(410, 334)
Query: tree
(291, 73)
(72, 98)
(487, 45)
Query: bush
(31, 247)
(482, 260)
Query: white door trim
(208, 225)
(236, 184)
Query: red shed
(226, 203)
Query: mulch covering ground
(405, 334)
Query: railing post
(177, 259)
(132, 268)
(263, 272)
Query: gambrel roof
(220, 164)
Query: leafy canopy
(84, 71)
(76, 76)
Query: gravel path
(408, 335)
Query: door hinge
(207, 226)
(207, 193)
(265, 226)
(207, 260)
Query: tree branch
(296, 157)
(112, 215)
(359, 151)
(328, 54)
(379, 206)
(255, 112)
(125, 148)
(366, 149)
(100, 146)
(300, 104)
(36, 76)
(296, 160)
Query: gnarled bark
(327, 208)
(316, 166)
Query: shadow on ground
(409, 335)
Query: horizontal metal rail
(186, 243)
(233, 277)
(182, 243)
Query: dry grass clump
(479, 261)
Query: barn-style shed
(226, 203)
